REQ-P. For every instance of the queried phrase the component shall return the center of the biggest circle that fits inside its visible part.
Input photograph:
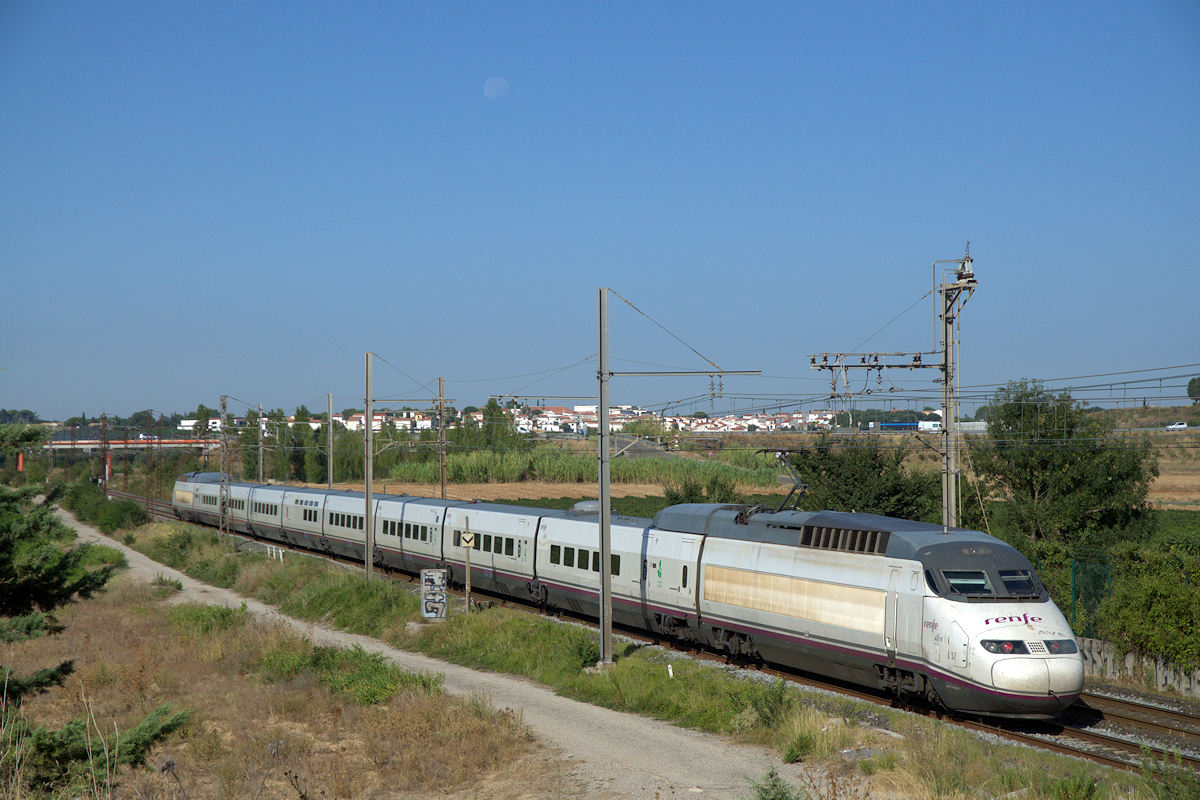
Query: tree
(866, 477)
(1194, 390)
(37, 576)
(1058, 471)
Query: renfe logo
(1023, 618)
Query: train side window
(595, 561)
(498, 545)
(615, 564)
(508, 547)
(478, 541)
(568, 556)
(685, 576)
(487, 542)
(555, 554)
(424, 533)
(458, 538)
(582, 560)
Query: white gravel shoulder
(612, 754)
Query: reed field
(552, 464)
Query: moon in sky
(495, 88)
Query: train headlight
(1004, 646)
(1061, 647)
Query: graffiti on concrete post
(433, 593)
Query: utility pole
(442, 433)
(368, 468)
(224, 498)
(952, 295)
(260, 443)
(468, 542)
(104, 452)
(329, 457)
(605, 375)
(149, 473)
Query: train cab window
(508, 547)
(555, 554)
(969, 582)
(929, 581)
(568, 556)
(1019, 583)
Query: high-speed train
(955, 615)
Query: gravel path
(611, 754)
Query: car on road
(1177, 426)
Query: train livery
(955, 615)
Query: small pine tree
(38, 576)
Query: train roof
(826, 530)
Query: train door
(891, 612)
(909, 620)
(523, 550)
(687, 573)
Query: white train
(957, 616)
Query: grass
(926, 760)
(272, 716)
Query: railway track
(1183, 725)
(1141, 729)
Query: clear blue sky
(206, 198)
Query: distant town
(578, 420)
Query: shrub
(773, 787)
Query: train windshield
(970, 582)
(1020, 583)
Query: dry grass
(250, 739)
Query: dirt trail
(612, 754)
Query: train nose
(1050, 676)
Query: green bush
(87, 501)
(1152, 611)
